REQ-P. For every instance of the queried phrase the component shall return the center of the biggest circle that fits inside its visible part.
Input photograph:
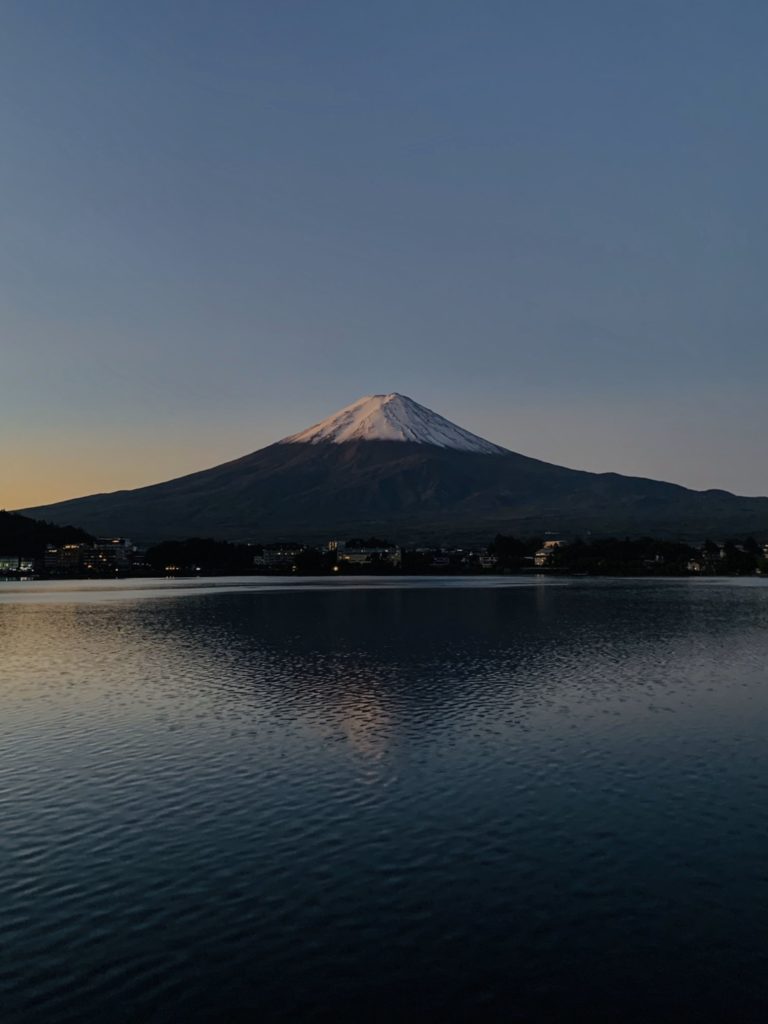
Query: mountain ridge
(324, 481)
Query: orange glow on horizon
(49, 468)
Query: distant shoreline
(632, 573)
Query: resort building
(544, 555)
(354, 554)
(278, 556)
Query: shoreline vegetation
(34, 549)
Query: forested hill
(20, 535)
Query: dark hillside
(20, 535)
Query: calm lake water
(536, 800)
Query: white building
(544, 555)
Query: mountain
(386, 464)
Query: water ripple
(377, 801)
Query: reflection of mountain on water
(399, 660)
(378, 666)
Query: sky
(221, 221)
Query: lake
(383, 800)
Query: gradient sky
(223, 220)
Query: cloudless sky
(220, 221)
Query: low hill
(20, 535)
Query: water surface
(383, 799)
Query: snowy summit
(392, 418)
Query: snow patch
(392, 418)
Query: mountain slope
(431, 480)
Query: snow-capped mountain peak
(392, 417)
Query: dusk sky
(221, 221)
